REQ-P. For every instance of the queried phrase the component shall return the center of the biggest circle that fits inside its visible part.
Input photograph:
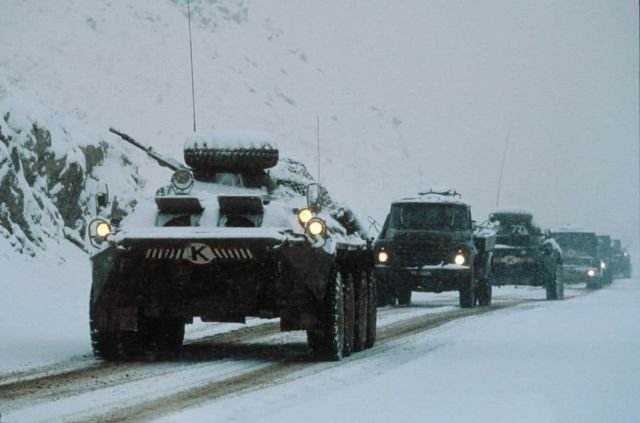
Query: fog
(561, 78)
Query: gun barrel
(162, 161)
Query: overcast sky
(563, 75)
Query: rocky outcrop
(47, 183)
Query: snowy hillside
(103, 65)
(407, 97)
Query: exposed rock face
(47, 183)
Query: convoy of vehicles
(428, 243)
(228, 239)
(523, 254)
(239, 232)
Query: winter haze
(409, 94)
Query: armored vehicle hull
(227, 246)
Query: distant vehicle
(523, 254)
(428, 244)
(580, 259)
(620, 260)
(605, 252)
(225, 240)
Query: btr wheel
(330, 325)
(349, 314)
(372, 311)
(361, 289)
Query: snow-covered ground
(568, 361)
(574, 360)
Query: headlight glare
(316, 227)
(383, 257)
(102, 229)
(459, 259)
(603, 265)
(591, 273)
(305, 215)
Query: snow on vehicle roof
(513, 210)
(230, 139)
(571, 228)
(432, 199)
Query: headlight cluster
(591, 273)
(99, 230)
(182, 181)
(313, 225)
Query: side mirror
(314, 196)
(102, 196)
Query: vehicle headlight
(459, 259)
(99, 230)
(304, 216)
(603, 265)
(626, 254)
(591, 273)
(182, 181)
(383, 257)
(316, 226)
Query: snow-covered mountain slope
(127, 65)
(407, 97)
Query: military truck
(605, 253)
(620, 260)
(523, 255)
(580, 260)
(428, 244)
(237, 232)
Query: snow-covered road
(568, 361)
(525, 359)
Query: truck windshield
(577, 244)
(429, 217)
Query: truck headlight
(459, 259)
(591, 273)
(603, 265)
(383, 257)
(316, 226)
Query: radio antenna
(193, 90)
(504, 158)
(318, 142)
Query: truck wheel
(484, 293)
(404, 295)
(330, 326)
(383, 288)
(349, 314)
(372, 311)
(361, 309)
(227, 159)
(467, 291)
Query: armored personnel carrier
(428, 243)
(523, 254)
(237, 232)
